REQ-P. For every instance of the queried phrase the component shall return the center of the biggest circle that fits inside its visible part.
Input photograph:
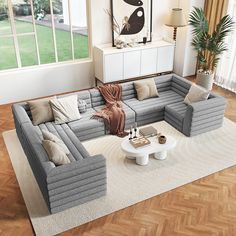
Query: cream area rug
(128, 183)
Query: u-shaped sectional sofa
(84, 179)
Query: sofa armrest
(20, 114)
(95, 164)
(204, 115)
(208, 104)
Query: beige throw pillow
(41, 110)
(196, 94)
(146, 89)
(55, 153)
(51, 137)
(65, 109)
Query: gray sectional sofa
(84, 179)
(191, 119)
(65, 186)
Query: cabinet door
(148, 61)
(132, 64)
(165, 59)
(113, 67)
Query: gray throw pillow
(51, 137)
(196, 94)
(41, 110)
(146, 89)
(82, 105)
(55, 153)
(65, 109)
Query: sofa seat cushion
(175, 113)
(177, 110)
(129, 113)
(153, 107)
(77, 150)
(86, 127)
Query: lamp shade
(177, 18)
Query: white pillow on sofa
(196, 94)
(52, 137)
(55, 153)
(65, 109)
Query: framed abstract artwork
(131, 21)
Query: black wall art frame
(131, 21)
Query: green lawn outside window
(27, 45)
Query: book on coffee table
(148, 131)
(139, 142)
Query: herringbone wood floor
(204, 207)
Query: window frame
(14, 35)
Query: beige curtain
(214, 11)
(226, 70)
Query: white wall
(185, 56)
(32, 83)
(47, 80)
(102, 26)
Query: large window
(35, 32)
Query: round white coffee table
(142, 154)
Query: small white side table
(142, 154)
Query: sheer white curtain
(226, 70)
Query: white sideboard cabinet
(112, 64)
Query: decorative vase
(162, 139)
(205, 79)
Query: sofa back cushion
(180, 85)
(96, 98)
(163, 83)
(128, 91)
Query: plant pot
(205, 80)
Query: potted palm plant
(209, 46)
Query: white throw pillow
(196, 94)
(51, 137)
(55, 153)
(65, 109)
